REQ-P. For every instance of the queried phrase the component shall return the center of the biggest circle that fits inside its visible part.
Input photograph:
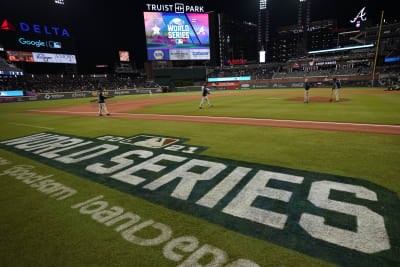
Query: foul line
(230, 118)
(260, 119)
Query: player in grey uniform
(336, 85)
(102, 103)
(306, 88)
(204, 92)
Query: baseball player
(204, 92)
(306, 88)
(102, 103)
(336, 85)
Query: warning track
(120, 108)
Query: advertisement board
(19, 56)
(236, 61)
(54, 58)
(124, 56)
(19, 35)
(177, 36)
(72, 95)
(39, 43)
(41, 57)
(224, 85)
(229, 79)
(11, 72)
(11, 93)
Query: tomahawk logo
(7, 26)
(362, 15)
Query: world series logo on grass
(346, 221)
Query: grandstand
(66, 83)
(6, 66)
(355, 66)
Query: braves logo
(361, 15)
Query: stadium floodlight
(263, 4)
(340, 49)
(262, 56)
(59, 2)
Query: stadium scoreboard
(172, 34)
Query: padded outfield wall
(79, 94)
(323, 81)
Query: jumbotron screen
(172, 36)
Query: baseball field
(259, 179)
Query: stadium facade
(294, 41)
(235, 41)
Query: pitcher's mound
(317, 99)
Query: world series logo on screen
(177, 36)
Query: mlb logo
(179, 41)
(52, 44)
(179, 8)
(151, 141)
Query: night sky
(101, 28)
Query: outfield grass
(39, 231)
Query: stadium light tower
(263, 25)
(304, 13)
(303, 24)
(59, 2)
